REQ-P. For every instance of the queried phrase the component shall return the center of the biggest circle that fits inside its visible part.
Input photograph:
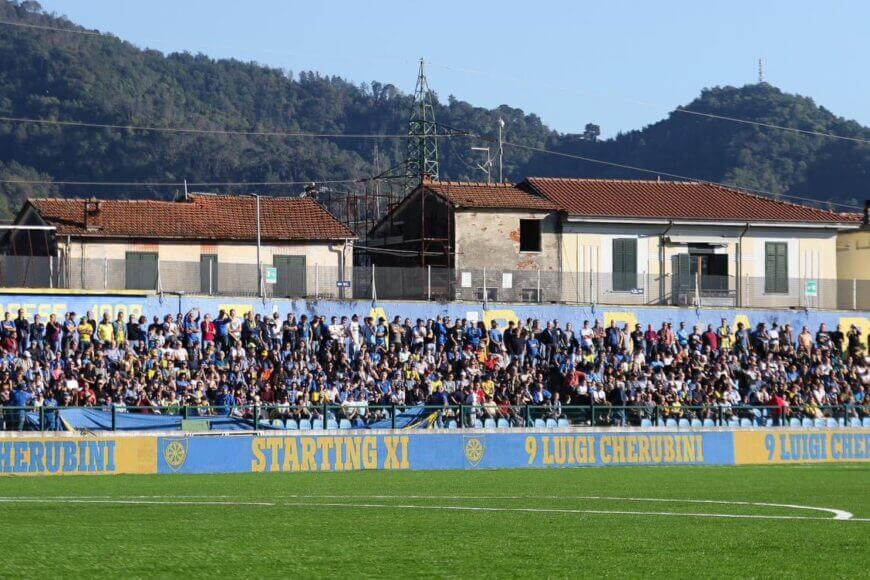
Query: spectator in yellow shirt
(86, 333)
(105, 330)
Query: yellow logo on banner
(175, 453)
(474, 450)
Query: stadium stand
(353, 372)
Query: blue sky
(617, 63)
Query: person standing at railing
(50, 414)
(21, 397)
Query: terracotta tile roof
(689, 200)
(202, 217)
(488, 196)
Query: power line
(524, 83)
(666, 174)
(684, 110)
(193, 184)
(453, 132)
(770, 125)
(54, 28)
(207, 131)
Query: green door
(291, 276)
(141, 271)
(208, 274)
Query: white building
(203, 244)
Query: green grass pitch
(511, 523)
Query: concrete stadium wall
(133, 303)
(424, 450)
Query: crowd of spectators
(354, 367)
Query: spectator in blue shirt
(21, 397)
(496, 344)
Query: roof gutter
(664, 221)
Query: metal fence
(337, 417)
(283, 280)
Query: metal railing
(315, 281)
(337, 417)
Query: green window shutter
(624, 264)
(776, 267)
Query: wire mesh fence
(362, 415)
(291, 277)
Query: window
(530, 295)
(530, 235)
(776, 268)
(624, 264)
(491, 294)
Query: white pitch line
(563, 511)
(838, 514)
(132, 501)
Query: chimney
(93, 217)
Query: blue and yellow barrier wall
(131, 302)
(416, 450)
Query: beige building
(202, 244)
(622, 242)
(691, 243)
(853, 264)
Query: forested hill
(102, 79)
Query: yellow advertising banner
(801, 446)
(78, 455)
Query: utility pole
(377, 184)
(500, 150)
(760, 70)
(487, 165)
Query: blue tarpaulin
(86, 419)
(411, 418)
